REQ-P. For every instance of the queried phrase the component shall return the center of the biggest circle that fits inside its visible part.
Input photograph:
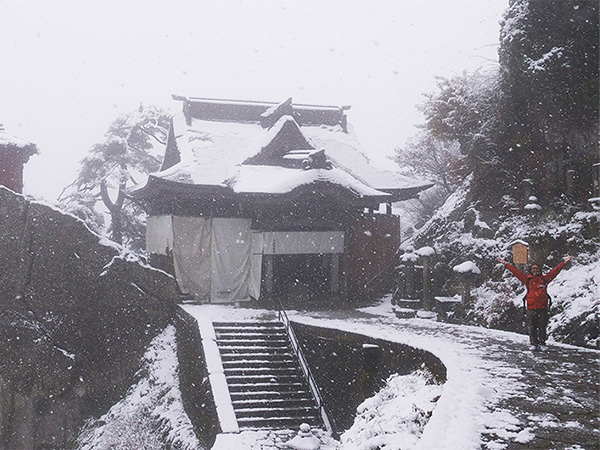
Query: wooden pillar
(268, 275)
(465, 296)
(335, 273)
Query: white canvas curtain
(212, 257)
(256, 264)
(192, 255)
(230, 260)
(303, 242)
(219, 260)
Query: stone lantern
(467, 272)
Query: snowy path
(498, 394)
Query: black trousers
(537, 320)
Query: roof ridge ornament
(274, 113)
(317, 160)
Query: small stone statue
(305, 439)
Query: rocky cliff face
(76, 314)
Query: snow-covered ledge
(216, 376)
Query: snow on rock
(395, 417)
(467, 267)
(525, 436)
(532, 207)
(425, 251)
(151, 415)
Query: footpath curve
(499, 395)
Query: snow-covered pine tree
(132, 148)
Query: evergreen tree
(549, 80)
(126, 154)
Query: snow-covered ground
(474, 409)
(471, 413)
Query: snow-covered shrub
(394, 417)
(499, 305)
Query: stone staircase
(266, 385)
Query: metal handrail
(283, 317)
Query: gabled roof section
(282, 138)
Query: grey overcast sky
(69, 67)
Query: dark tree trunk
(115, 208)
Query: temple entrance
(301, 276)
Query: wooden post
(335, 273)
(466, 292)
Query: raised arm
(554, 272)
(516, 272)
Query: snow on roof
(280, 180)
(345, 151)
(519, 241)
(219, 153)
(211, 151)
(8, 140)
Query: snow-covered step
(266, 343)
(233, 362)
(256, 358)
(266, 385)
(267, 339)
(263, 378)
(277, 422)
(275, 412)
(273, 402)
(244, 349)
(274, 386)
(274, 371)
(270, 395)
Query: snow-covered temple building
(257, 200)
(14, 153)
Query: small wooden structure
(520, 251)
(14, 153)
(260, 200)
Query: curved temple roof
(260, 148)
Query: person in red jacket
(537, 299)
